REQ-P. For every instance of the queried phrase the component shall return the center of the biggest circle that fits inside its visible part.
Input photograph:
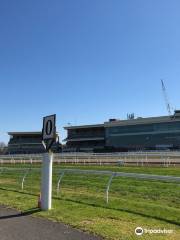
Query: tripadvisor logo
(139, 231)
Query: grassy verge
(81, 203)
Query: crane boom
(166, 98)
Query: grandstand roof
(136, 121)
(24, 133)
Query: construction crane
(168, 107)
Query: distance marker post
(46, 182)
(49, 137)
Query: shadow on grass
(92, 205)
(22, 214)
(16, 191)
(122, 210)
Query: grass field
(81, 202)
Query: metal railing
(61, 173)
(113, 175)
(138, 158)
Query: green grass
(81, 202)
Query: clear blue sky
(86, 60)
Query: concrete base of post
(46, 181)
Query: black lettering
(49, 127)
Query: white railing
(113, 175)
(138, 158)
(62, 172)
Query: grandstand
(28, 143)
(153, 133)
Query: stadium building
(28, 143)
(154, 133)
(85, 138)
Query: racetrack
(81, 201)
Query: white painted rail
(165, 159)
(115, 174)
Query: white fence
(111, 175)
(127, 158)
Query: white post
(46, 181)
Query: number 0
(48, 127)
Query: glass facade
(172, 126)
(143, 136)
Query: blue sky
(86, 60)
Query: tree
(2, 147)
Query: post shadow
(21, 214)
